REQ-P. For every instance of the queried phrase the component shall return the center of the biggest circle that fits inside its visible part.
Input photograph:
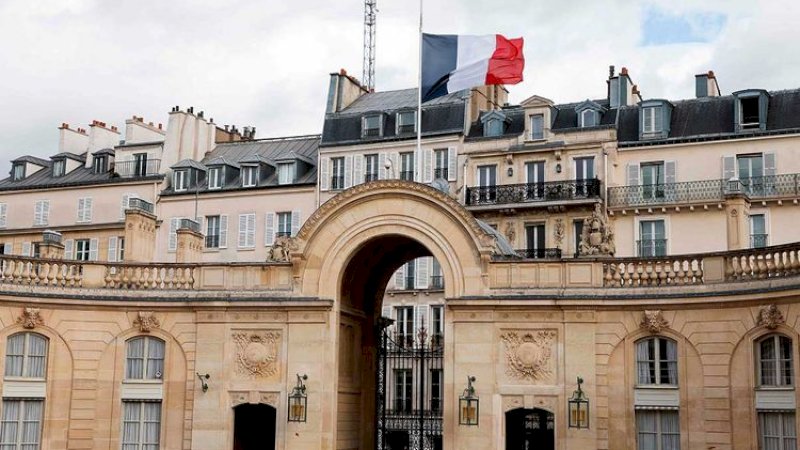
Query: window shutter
(348, 171)
(87, 210)
(324, 174)
(8, 248)
(427, 156)
(399, 277)
(3, 214)
(126, 203)
(670, 168)
(223, 231)
(418, 163)
(68, 245)
(769, 164)
(633, 174)
(251, 230)
(386, 312)
(358, 171)
(242, 230)
(37, 213)
(173, 233)
(658, 120)
(394, 159)
(269, 229)
(762, 112)
(112, 249)
(642, 120)
(80, 209)
(382, 166)
(728, 167)
(295, 222)
(45, 211)
(421, 278)
(93, 249)
(26, 249)
(420, 318)
(452, 164)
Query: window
(141, 425)
(589, 118)
(652, 238)
(3, 214)
(487, 180)
(286, 173)
(41, 213)
(402, 390)
(21, 424)
(26, 356)
(59, 167)
(534, 173)
(437, 394)
(750, 116)
(441, 164)
(140, 164)
(652, 121)
(405, 325)
(751, 173)
(247, 230)
(406, 122)
(145, 358)
(100, 164)
(407, 166)
(536, 240)
(577, 230)
(652, 180)
(437, 325)
(180, 180)
(537, 126)
(775, 361)
(85, 209)
(121, 251)
(212, 231)
(777, 430)
(584, 176)
(493, 127)
(215, 178)
(656, 361)
(437, 280)
(758, 231)
(82, 249)
(411, 272)
(249, 176)
(371, 126)
(337, 175)
(658, 430)
(284, 224)
(371, 167)
(18, 171)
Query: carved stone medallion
(146, 321)
(256, 353)
(654, 321)
(528, 354)
(770, 316)
(30, 318)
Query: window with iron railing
(651, 247)
(407, 166)
(337, 175)
(284, 224)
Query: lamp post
(578, 408)
(468, 405)
(298, 401)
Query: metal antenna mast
(370, 12)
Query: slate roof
(440, 116)
(80, 176)
(73, 156)
(712, 118)
(187, 164)
(261, 150)
(33, 160)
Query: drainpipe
(605, 180)
(464, 179)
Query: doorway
(254, 427)
(530, 429)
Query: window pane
(155, 358)
(14, 355)
(135, 368)
(37, 356)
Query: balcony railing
(440, 173)
(141, 205)
(212, 241)
(407, 175)
(189, 224)
(540, 253)
(135, 169)
(370, 177)
(649, 248)
(758, 240)
(534, 192)
(436, 282)
(410, 283)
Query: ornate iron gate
(409, 395)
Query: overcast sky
(266, 63)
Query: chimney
(706, 85)
(621, 90)
(137, 130)
(342, 91)
(72, 140)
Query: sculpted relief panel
(256, 353)
(529, 355)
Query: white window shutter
(452, 164)
(382, 166)
(173, 233)
(45, 211)
(728, 167)
(421, 277)
(348, 171)
(8, 248)
(80, 210)
(769, 165)
(88, 210)
(358, 171)
(399, 277)
(418, 163)
(93, 249)
(68, 246)
(324, 174)
(223, 231)
(420, 318)
(37, 213)
(386, 312)
(295, 222)
(394, 159)
(112, 249)
(242, 230)
(3, 214)
(633, 174)
(251, 230)
(269, 229)
(26, 249)
(670, 169)
(126, 201)
(427, 169)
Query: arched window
(657, 361)
(145, 358)
(774, 354)
(26, 355)
(588, 118)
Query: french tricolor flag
(451, 63)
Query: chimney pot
(711, 74)
(611, 71)
(159, 126)
(624, 71)
(342, 72)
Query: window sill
(211, 250)
(774, 388)
(657, 386)
(143, 381)
(245, 249)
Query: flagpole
(419, 91)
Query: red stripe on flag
(507, 62)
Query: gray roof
(32, 160)
(220, 161)
(73, 156)
(188, 164)
(104, 151)
(395, 100)
(80, 176)
(503, 247)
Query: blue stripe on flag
(439, 58)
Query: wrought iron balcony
(540, 253)
(785, 185)
(212, 241)
(436, 282)
(440, 173)
(758, 240)
(370, 177)
(136, 169)
(551, 191)
(651, 247)
(407, 175)
(141, 205)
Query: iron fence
(189, 224)
(651, 247)
(533, 192)
(134, 169)
(141, 205)
(758, 240)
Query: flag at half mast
(451, 63)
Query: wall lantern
(578, 408)
(468, 405)
(298, 401)
(203, 381)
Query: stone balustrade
(40, 272)
(760, 263)
(150, 276)
(657, 271)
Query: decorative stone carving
(279, 252)
(256, 353)
(511, 232)
(30, 318)
(529, 354)
(239, 398)
(512, 402)
(269, 398)
(146, 321)
(769, 316)
(558, 232)
(597, 237)
(654, 321)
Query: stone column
(737, 213)
(140, 236)
(190, 246)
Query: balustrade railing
(40, 272)
(189, 224)
(533, 192)
(149, 276)
(141, 205)
(134, 169)
(660, 271)
(760, 263)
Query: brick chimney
(342, 91)
(706, 85)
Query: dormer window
(589, 118)
(100, 164)
(371, 125)
(59, 167)
(18, 171)
(249, 176)
(406, 122)
(654, 119)
(215, 178)
(181, 180)
(494, 127)
(286, 173)
(537, 127)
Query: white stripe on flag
(472, 63)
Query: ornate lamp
(578, 408)
(468, 405)
(298, 401)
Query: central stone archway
(348, 250)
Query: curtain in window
(786, 360)
(31, 424)
(135, 368)
(789, 432)
(644, 362)
(647, 433)
(670, 431)
(37, 355)
(15, 349)
(155, 359)
(130, 425)
(770, 431)
(671, 362)
(8, 428)
(768, 375)
(152, 426)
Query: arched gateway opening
(348, 251)
(253, 427)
